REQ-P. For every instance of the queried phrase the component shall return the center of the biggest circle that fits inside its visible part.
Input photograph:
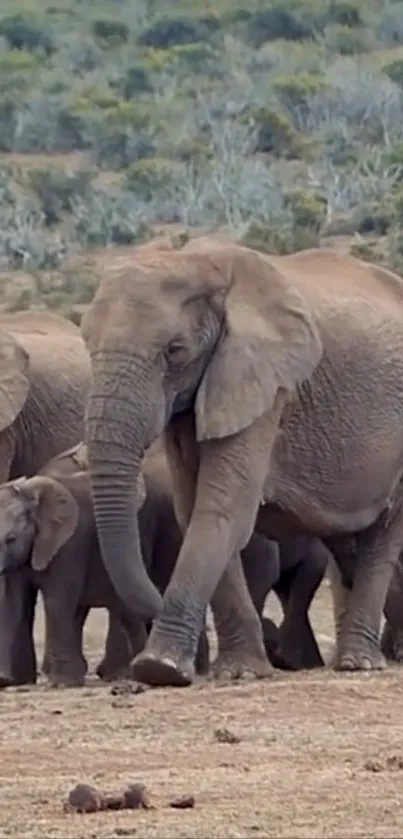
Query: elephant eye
(10, 540)
(175, 351)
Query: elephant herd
(224, 424)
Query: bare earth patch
(308, 755)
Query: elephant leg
(241, 650)
(298, 648)
(17, 613)
(126, 637)
(66, 662)
(80, 621)
(229, 489)
(378, 550)
(392, 633)
(202, 659)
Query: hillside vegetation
(281, 122)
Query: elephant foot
(162, 670)
(355, 659)
(109, 673)
(233, 665)
(297, 647)
(270, 636)
(6, 681)
(392, 644)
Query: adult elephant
(44, 379)
(45, 374)
(276, 379)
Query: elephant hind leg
(126, 638)
(241, 648)
(298, 648)
(378, 550)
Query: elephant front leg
(358, 646)
(229, 489)
(241, 648)
(17, 611)
(66, 664)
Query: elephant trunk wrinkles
(116, 437)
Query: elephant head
(14, 379)
(37, 516)
(212, 329)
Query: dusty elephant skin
(44, 378)
(274, 378)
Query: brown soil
(304, 755)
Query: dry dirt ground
(319, 754)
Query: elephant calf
(48, 542)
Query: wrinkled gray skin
(275, 378)
(44, 379)
(392, 632)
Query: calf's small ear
(57, 517)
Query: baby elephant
(48, 539)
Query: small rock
(394, 762)
(373, 766)
(126, 688)
(185, 802)
(223, 735)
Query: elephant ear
(80, 456)
(56, 518)
(270, 341)
(14, 380)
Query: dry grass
(319, 754)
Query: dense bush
(23, 31)
(274, 119)
(277, 22)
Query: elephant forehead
(11, 509)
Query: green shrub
(136, 80)
(346, 41)
(23, 31)
(169, 31)
(308, 210)
(263, 237)
(121, 135)
(56, 190)
(195, 58)
(147, 177)
(394, 71)
(277, 22)
(295, 91)
(373, 219)
(107, 219)
(112, 31)
(275, 132)
(365, 251)
(394, 157)
(343, 13)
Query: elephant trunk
(117, 435)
